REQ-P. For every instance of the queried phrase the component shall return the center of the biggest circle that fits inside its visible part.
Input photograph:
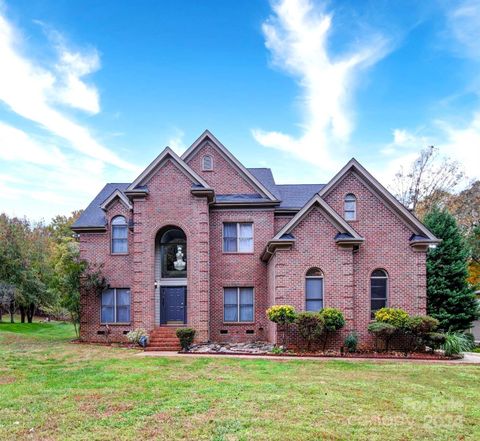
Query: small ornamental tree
(393, 316)
(382, 331)
(416, 330)
(333, 321)
(310, 326)
(186, 337)
(282, 315)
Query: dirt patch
(7, 380)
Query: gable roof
(384, 194)
(167, 153)
(207, 135)
(339, 223)
(116, 194)
(93, 217)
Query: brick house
(200, 240)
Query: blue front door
(173, 304)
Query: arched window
(173, 253)
(314, 290)
(119, 235)
(378, 290)
(350, 207)
(207, 163)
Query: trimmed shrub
(310, 326)
(137, 336)
(456, 343)
(435, 340)
(415, 329)
(351, 342)
(186, 336)
(383, 331)
(282, 315)
(333, 321)
(393, 316)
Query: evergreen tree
(449, 297)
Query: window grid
(314, 297)
(119, 235)
(378, 282)
(239, 317)
(241, 241)
(350, 207)
(115, 306)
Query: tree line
(41, 269)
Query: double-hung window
(116, 305)
(119, 235)
(314, 290)
(238, 237)
(238, 305)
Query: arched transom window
(350, 207)
(207, 163)
(314, 290)
(119, 235)
(378, 290)
(173, 253)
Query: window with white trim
(238, 237)
(238, 305)
(207, 163)
(115, 305)
(314, 290)
(119, 235)
(378, 290)
(350, 207)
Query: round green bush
(281, 314)
(186, 336)
(393, 316)
(310, 326)
(333, 318)
(421, 324)
(351, 341)
(381, 329)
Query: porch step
(163, 338)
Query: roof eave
(273, 245)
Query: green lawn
(52, 389)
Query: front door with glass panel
(173, 305)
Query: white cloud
(463, 23)
(30, 91)
(176, 142)
(297, 36)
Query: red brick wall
(235, 269)
(386, 246)
(224, 178)
(95, 248)
(314, 247)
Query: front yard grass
(51, 389)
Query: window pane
(119, 246)
(229, 245)
(246, 230)
(119, 220)
(349, 206)
(230, 230)
(246, 313)
(378, 304)
(230, 313)
(107, 313)
(119, 232)
(246, 296)
(123, 297)
(379, 273)
(314, 288)
(349, 215)
(314, 305)
(245, 245)
(123, 314)
(230, 296)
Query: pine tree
(449, 297)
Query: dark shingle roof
(297, 195)
(94, 216)
(292, 196)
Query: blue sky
(91, 92)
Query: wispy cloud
(31, 92)
(176, 142)
(297, 35)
